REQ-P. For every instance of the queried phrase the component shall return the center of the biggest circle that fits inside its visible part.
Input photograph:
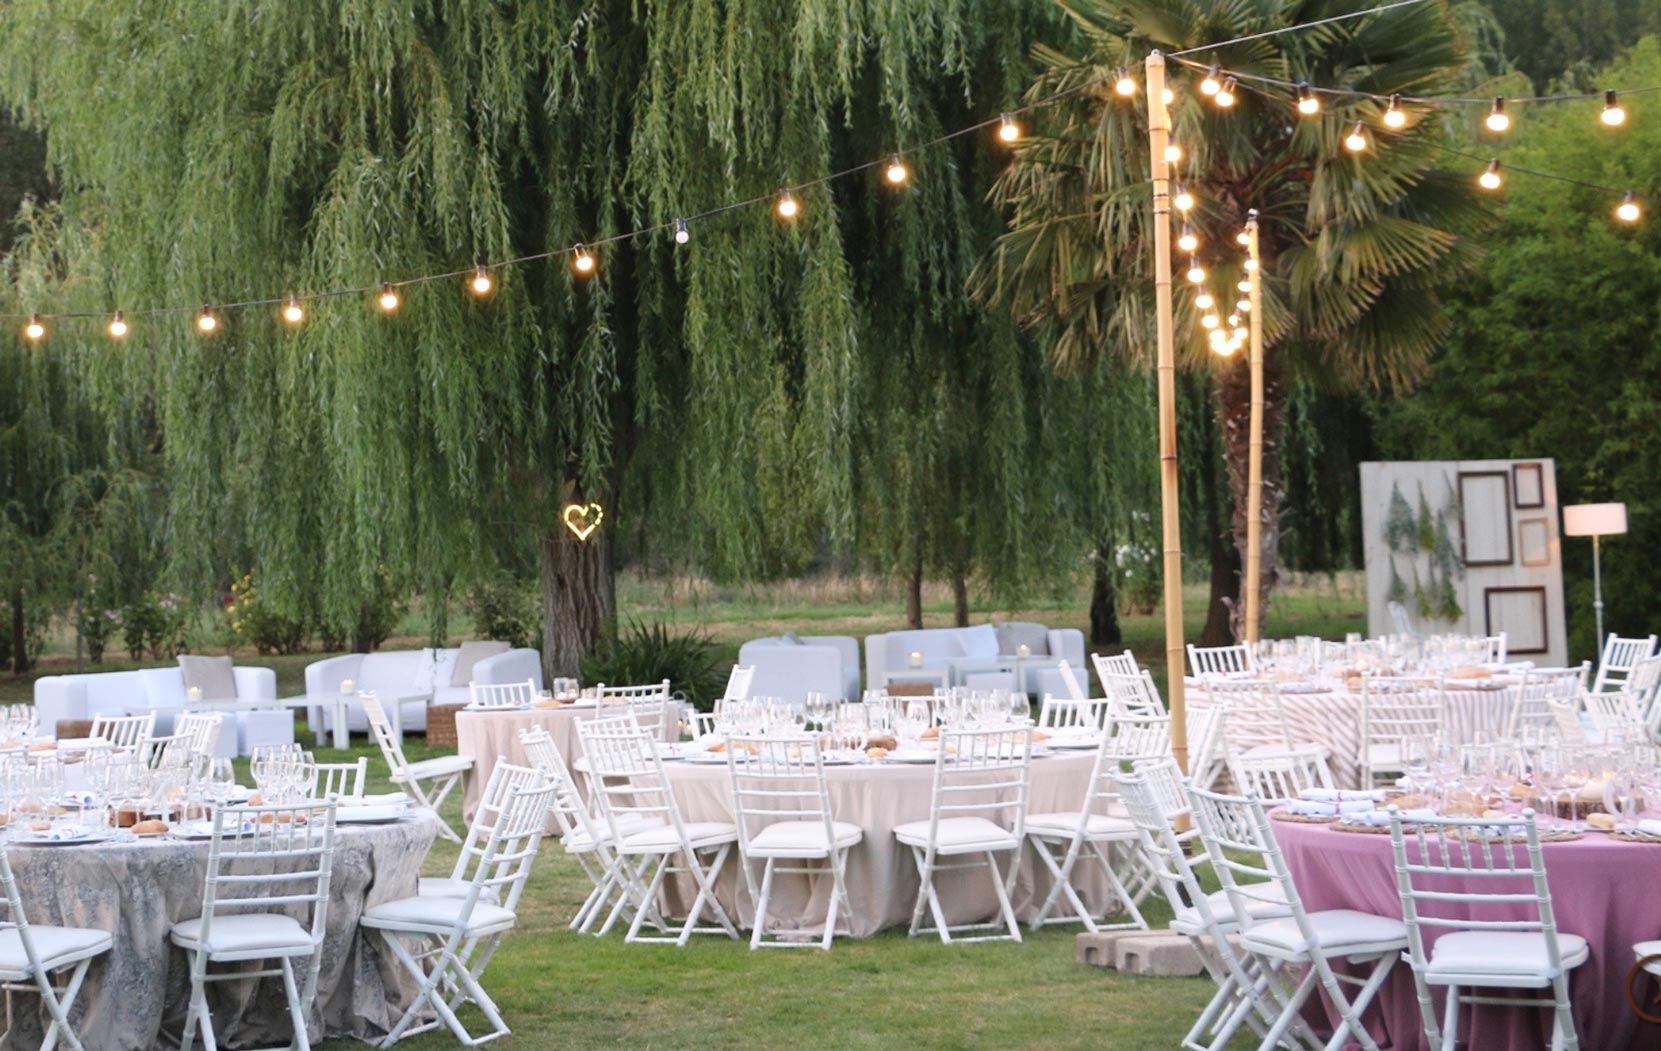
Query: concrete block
(1096, 950)
(1158, 955)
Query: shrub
(254, 623)
(504, 610)
(648, 653)
(379, 615)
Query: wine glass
(818, 708)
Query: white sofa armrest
(58, 698)
(255, 684)
(512, 666)
(1068, 644)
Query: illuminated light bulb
(1629, 212)
(1217, 338)
(1184, 200)
(34, 329)
(1244, 286)
(1243, 307)
(293, 313)
(1613, 115)
(1125, 85)
(1008, 130)
(1234, 321)
(1238, 337)
(481, 283)
(206, 321)
(1196, 273)
(581, 261)
(1173, 152)
(1225, 97)
(1251, 264)
(1356, 140)
(388, 298)
(682, 234)
(896, 171)
(1243, 238)
(1490, 179)
(1210, 85)
(1167, 96)
(1210, 321)
(1498, 120)
(1394, 117)
(1224, 347)
(118, 325)
(787, 205)
(1188, 242)
(1204, 301)
(1308, 103)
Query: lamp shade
(1594, 520)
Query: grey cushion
(1011, 636)
(211, 675)
(470, 654)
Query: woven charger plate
(1365, 830)
(1302, 819)
(1631, 836)
(1546, 836)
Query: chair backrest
(1167, 786)
(1472, 874)
(570, 810)
(124, 731)
(739, 681)
(1645, 686)
(1614, 715)
(1057, 713)
(1241, 845)
(505, 779)
(1620, 656)
(777, 778)
(1132, 739)
(270, 859)
(1220, 660)
(1496, 649)
(626, 774)
(344, 780)
(194, 734)
(1206, 724)
(501, 695)
(1255, 716)
(14, 918)
(1394, 710)
(984, 773)
(1162, 846)
(650, 704)
(503, 863)
(1276, 777)
(1070, 680)
(380, 728)
(1114, 664)
(1532, 706)
(1132, 694)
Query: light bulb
(1210, 85)
(1243, 307)
(1008, 130)
(1394, 117)
(1244, 286)
(1167, 96)
(581, 261)
(1225, 348)
(1204, 301)
(1188, 242)
(1225, 97)
(1196, 273)
(1251, 264)
(1173, 152)
(1243, 239)
(1613, 115)
(1183, 200)
(1308, 103)
(206, 321)
(389, 298)
(1217, 338)
(1490, 179)
(1356, 140)
(787, 205)
(118, 325)
(1125, 85)
(1238, 336)
(682, 234)
(1210, 321)
(1629, 212)
(1498, 120)
(34, 329)
(1234, 321)
(896, 171)
(293, 313)
(481, 283)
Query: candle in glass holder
(348, 686)
(1023, 651)
(916, 659)
(194, 694)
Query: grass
(563, 990)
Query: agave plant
(1354, 244)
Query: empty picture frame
(1528, 487)
(1533, 542)
(1485, 509)
(1520, 612)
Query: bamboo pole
(1254, 455)
(1159, 135)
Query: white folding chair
(194, 734)
(1277, 777)
(454, 937)
(273, 860)
(1532, 705)
(784, 821)
(627, 778)
(1495, 651)
(1612, 716)
(1645, 687)
(1220, 660)
(1394, 711)
(505, 779)
(1114, 664)
(1475, 878)
(1061, 839)
(1060, 713)
(1255, 719)
(1132, 695)
(738, 682)
(977, 810)
(125, 732)
(430, 781)
(345, 780)
(651, 705)
(504, 695)
(1620, 656)
(30, 955)
(1205, 742)
(1241, 844)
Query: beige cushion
(1015, 634)
(211, 675)
(470, 654)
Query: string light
(1490, 179)
(1225, 96)
(1251, 264)
(118, 325)
(1188, 242)
(1243, 239)
(1356, 140)
(682, 234)
(1168, 96)
(1613, 115)
(1125, 85)
(1498, 120)
(1173, 152)
(481, 284)
(1244, 286)
(1308, 103)
(1184, 200)
(787, 205)
(34, 329)
(1204, 301)
(1210, 321)
(1394, 117)
(1008, 130)
(389, 297)
(206, 321)
(896, 171)
(1628, 210)
(1210, 85)
(581, 261)
(1196, 273)
(1244, 306)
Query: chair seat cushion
(1342, 932)
(1222, 909)
(802, 839)
(580, 842)
(448, 887)
(1507, 955)
(55, 946)
(423, 913)
(438, 766)
(657, 839)
(958, 835)
(1066, 823)
(245, 932)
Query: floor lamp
(1595, 521)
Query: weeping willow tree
(732, 398)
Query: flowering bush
(1137, 585)
(97, 627)
(254, 623)
(157, 623)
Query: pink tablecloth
(1606, 891)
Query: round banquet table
(141, 987)
(882, 878)
(1602, 890)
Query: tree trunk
(1104, 602)
(578, 597)
(1225, 577)
(914, 591)
(20, 634)
(1234, 406)
(960, 597)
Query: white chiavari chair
(430, 781)
(654, 708)
(272, 860)
(125, 732)
(1611, 716)
(1255, 718)
(1114, 664)
(1482, 881)
(1060, 713)
(194, 734)
(1620, 656)
(30, 955)
(1494, 653)
(1206, 736)
(501, 696)
(739, 681)
(1204, 661)
(505, 779)
(342, 780)
(1394, 711)
(1132, 695)
(1645, 686)
(1532, 706)
(1279, 777)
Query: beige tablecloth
(882, 877)
(141, 987)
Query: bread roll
(1601, 821)
(150, 827)
(877, 752)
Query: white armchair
(409, 679)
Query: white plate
(708, 758)
(39, 839)
(678, 749)
(918, 758)
(1070, 742)
(370, 815)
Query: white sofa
(81, 697)
(953, 653)
(415, 678)
(792, 666)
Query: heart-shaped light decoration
(583, 519)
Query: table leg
(342, 733)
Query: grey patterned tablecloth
(136, 995)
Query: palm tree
(1354, 244)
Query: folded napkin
(383, 799)
(1381, 818)
(1322, 808)
(79, 797)
(1332, 795)
(64, 832)
(1650, 827)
